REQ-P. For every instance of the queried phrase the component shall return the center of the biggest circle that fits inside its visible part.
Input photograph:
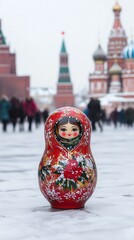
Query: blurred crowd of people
(122, 116)
(118, 116)
(15, 111)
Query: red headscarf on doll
(53, 143)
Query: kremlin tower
(64, 96)
(11, 84)
(114, 71)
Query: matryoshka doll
(67, 171)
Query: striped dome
(128, 52)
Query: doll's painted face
(68, 130)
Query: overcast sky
(33, 30)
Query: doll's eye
(74, 129)
(63, 129)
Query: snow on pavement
(26, 214)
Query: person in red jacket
(30, 110)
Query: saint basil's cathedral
(114, 72)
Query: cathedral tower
(117, 39)
(98, 79)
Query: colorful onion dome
(117, 7)
(99, 54)
(115, 69)
(128, 52)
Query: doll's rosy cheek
(75, 134)
(63, 134)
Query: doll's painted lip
(69, 135)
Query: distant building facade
(10, 83)
(44, 97)
(64, 95)
(114, 71)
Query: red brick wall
(14, 86)
(4, 58)
(128, 84)
(64, 100)
(64, 96)
(66, 89)
(13, 63)
(4, 69)
(10, 84)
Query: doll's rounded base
(67, 205)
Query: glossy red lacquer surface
(67, 171)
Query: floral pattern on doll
(71, 174)
(74, 173)
(68, 132)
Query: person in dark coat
(37, 118)
(45, 114)
(94, 108)
(21, 115)
(30, 110)
(129, 116)
(4, 112)
(14, 111)
(86, 111)
(114, 117)
(122, 117)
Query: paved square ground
(108, 214)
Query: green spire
(2, 38)
(63, 48)
(64, 75)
